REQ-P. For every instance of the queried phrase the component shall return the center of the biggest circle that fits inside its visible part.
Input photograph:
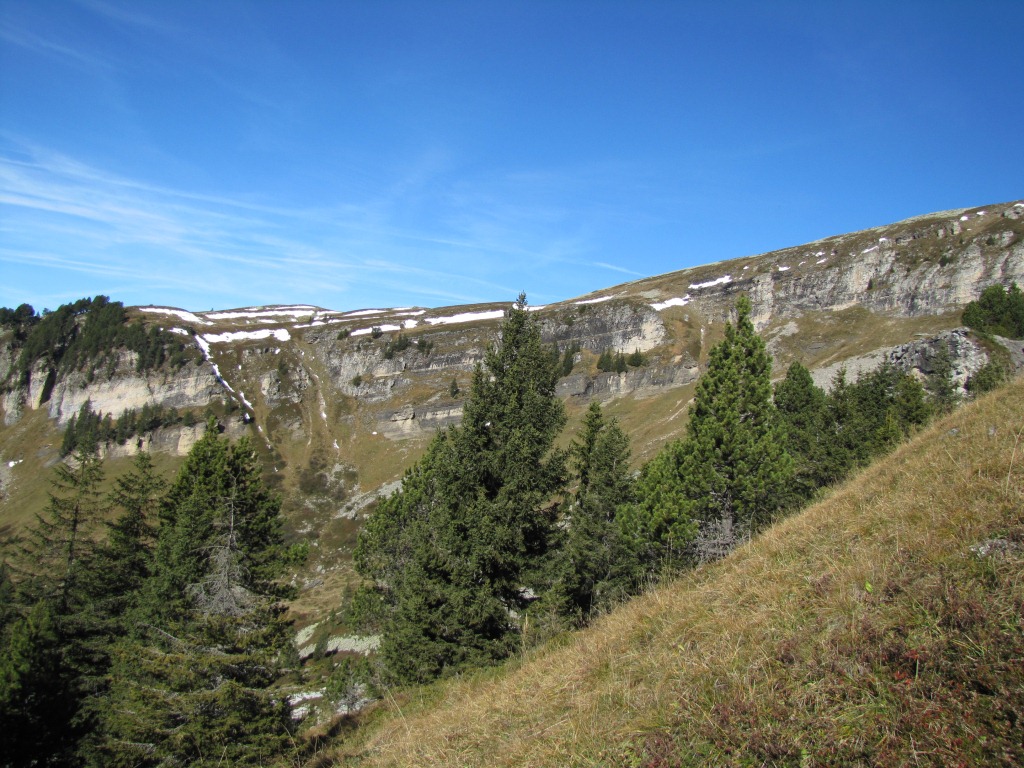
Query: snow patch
(746, 267)
(179, 331)
(281, 334)
(595, 301)
(382, 328)
(965, 217)
(869, 250)
(188, 317)
(783, 268)
(466, 317)
(363, 312)
(13, 464)
(676, 302)
(821, 261)
(205, 346)
(248, 405)
(711, 283)
(410, 323)
(262, 313)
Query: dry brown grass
(784, 652)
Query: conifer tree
(50, 660)
(597, 566)
(453, 555)
(191, 685)
(730, 475)
(803, 413)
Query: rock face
(307, 379)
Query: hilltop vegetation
(86, 334)
(881, 626)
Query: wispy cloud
(614, 268)
(62, 215)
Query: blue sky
(364, 154)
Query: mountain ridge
(341, 402)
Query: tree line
(86, 335)
(154, 638)
(497, 538)
(89, 427)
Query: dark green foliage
(451, 555)
(803, 413)
(939, 384)
(50, 661)
(19, 320)
(453, 388)
(990, 376)
(569, 358)
(657, 526)
(608, 362)
(596, 565)
(87, 334)
(425, 347)
(89, 427)
(191, 682)
(636, 360)
(36, 704)
(399, 343)
(146, 647)
(997, 311)
(871, 415)
(731, 475)
(376, 332)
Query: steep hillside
(882, 626)
(342, 402)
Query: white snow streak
(180, 331)
(676, 302)
(711, 283)
(821, 261)
(296, 312)
(783, 268)
(596, 301)
(869, 250)
(362, 312)
(188, 317)
(382, 328)
(281, 334)
(466, 317)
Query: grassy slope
(864, 631)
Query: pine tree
(50, 659)
(597, 566)
(453, 555)
(803, 413)
(191, 684)
(939, 384)
(731, 473)
(37, 702)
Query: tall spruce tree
(803, 411)
(50, 660)
(456, 554)
(191, 684)
(731, 473)
(596, 565)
